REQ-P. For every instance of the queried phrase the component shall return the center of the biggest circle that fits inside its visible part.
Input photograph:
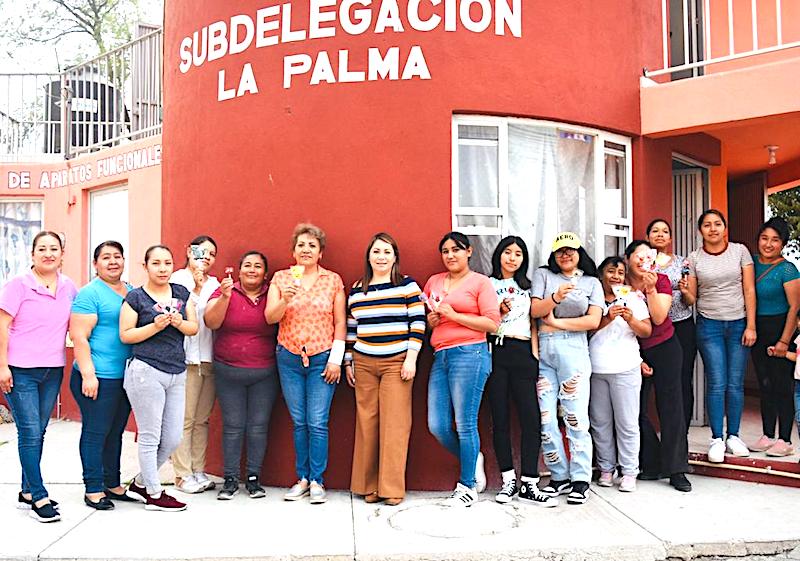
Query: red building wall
(356, 158)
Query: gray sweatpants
(614, 407)
(158, 400)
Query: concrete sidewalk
(719, 518)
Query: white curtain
(19, 223)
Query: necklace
(41, 278)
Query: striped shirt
(386, 321)
(720, 295)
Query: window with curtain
(535, 179)
(20, 221)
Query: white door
(688, 202)
(108, 220)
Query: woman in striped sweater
(385, 328)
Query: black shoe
(530, 493)
(578, 495)
(254, 488)
(644, 476)
(103, 504)
(555, 488)
(45, 513)
(229, 489)
(23, 503)
(121, 497)
(507, 492)
(679, 481)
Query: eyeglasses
(566, 252)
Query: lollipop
(229, 272)
(432, 303)
(649, 260)
(576, 276)
(297, 274)
(621, 290)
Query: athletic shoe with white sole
(462, 497)
(579, 493)
(716, 451)
(735, 446)
(529, 493)
(555, 488)
(507, 492)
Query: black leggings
(670, 454)
(685, 332)
(775, 379)
(515, 372)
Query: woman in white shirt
(515, 371)
(189, 460)
(616, 377)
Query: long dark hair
(521, 274)
(395, 277)
(585, 263)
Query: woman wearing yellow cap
(568, 299)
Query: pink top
(38, 333)
(307, 322)
(245, 339)
(474, 296)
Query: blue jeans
(565, 376)
(308, 398)
(456, 383)
(724, 360)
(104, 421)
(32, 400)
(797, 403)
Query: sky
(46, 58)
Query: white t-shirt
(517, 322)
(199, 348)
(797, 362)
(615, 349)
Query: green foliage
(786, 204)
(107, 23)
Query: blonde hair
(309, 230)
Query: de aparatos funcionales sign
(279, 24)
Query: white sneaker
(462, 497)
(735, 446)
(716, 451)
(317, 494)
(627, 484)
(480, 474)
(298, 491)
(203, 480)
(189, 485)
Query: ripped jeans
(564, 377)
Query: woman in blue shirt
(778, 301)
(97, 373)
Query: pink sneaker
(606, 479)
(762, 444)
(627, 484)
(780, 448)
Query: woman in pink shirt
(463, 309)
(34, 314)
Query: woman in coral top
(309, 305)
(463, 309)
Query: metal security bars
(108, 100)
(688, 27)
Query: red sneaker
(164, 503)
(136, 492)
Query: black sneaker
(25, 504)
(45, 513)
(229, 489)
(254, 488)
(507, 492)
(679, 482)
(530, 493)
(579, 493)
(555, 488)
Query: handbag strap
(765, 273)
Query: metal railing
(692, 31)
(113, 98)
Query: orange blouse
(306, 327)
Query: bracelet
(784, 342)
(553, 296)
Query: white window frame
(621, 227)
(90, 250)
